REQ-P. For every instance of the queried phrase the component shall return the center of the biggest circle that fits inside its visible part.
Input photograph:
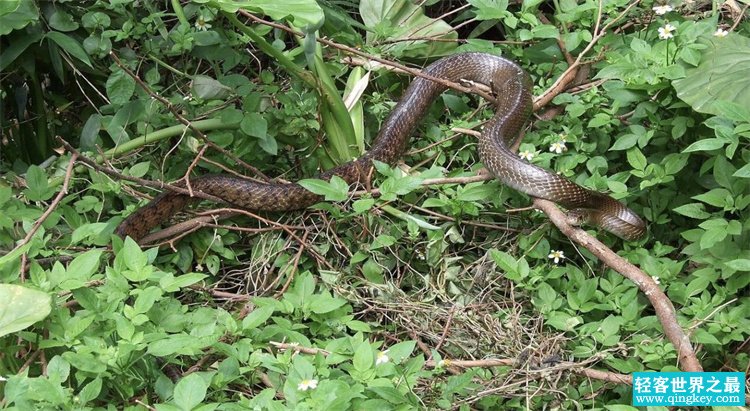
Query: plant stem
(179, 12)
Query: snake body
(512, 88)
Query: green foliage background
(661, 123)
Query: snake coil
(512, 88)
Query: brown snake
(512, 88)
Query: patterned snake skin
(512, 88)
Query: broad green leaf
(16, 47)
(721, 75)
(301, 12)
(743, 172)
(740, 264)
(208, 88)
(190, 392)
(364, 357)
(120, 87)
(62, 21)
(257, 317)
(707, 144)
(16, 14)
(718, 197)
(21, 307)
(38, 186)
(693, 210)
(404, 20)
(254, 124)
(636, 159)
(90, 131)
(70, 45)
(334, 190)
(85, 265)
(172, 284)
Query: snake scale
(511, 86)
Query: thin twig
(52, 206)
(352, 50)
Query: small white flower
(556, 256)
(558, 147)
(307, 385)
(656, 279)
(666, 31)
(662, 10)
(202, 24)
(382, 358)
(721, 33)
(526, 155)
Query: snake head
(578, 217)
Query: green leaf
(38, 186)
(172, 284)
(693, 210)
(17, 14)
(732, 111)
(743, 172)
(120, 87)
(364, 357)
(740, 264)
(324, 303)
(334, 190)
(146, 299)
(362, 205)
(90, 391)
(301, 12)
(90, 131)
(70, 45)
(721, 75)
(21, 307)
(254, 124)
(85, 265)
(707, 144)
(190, 392)
(139, 169)
(405, 20)
(208, 88)
(16, 47)
(718, 197)
(257, 317)
(637, 159)
(62, 21)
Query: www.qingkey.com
(691, 399)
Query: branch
(570, 74)
(664, 309)
(52, 206)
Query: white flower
(202, 24)
(558, 147)
(666, 31)
(556, 255)
(662, 10)
(721, 33)
(656, 279)
(382, 358)
(526, 155)
(307, 385)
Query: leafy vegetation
(371, 299)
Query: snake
(512, 90)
